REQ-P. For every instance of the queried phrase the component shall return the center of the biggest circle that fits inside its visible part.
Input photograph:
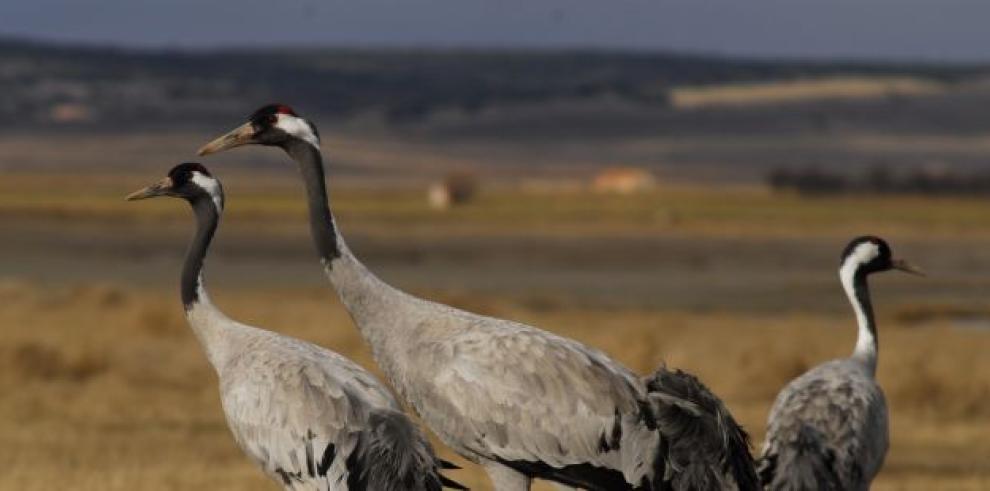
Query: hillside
(48, 84)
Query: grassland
(795, 91)
(561, 209)
(105, 389)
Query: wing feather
(314, 420)
(298, 423)
(517, 394)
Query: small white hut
(623, 180)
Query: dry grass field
(104, 387)
(814, 89)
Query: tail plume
(805, 465)
(706, 448)
(392, 455)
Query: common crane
(308, 417)
(828, 428)
(522, 402)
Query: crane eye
(272, 119)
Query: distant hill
(53, 85)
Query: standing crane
(308, 417)
(828, 428)
(522, 402)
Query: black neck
(862, 290)
(321, 222)
(207, 218)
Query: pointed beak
(242, 135)
(160, 188)
(907, 267)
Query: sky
(928, 30)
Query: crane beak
(242, 135)
(160, 188)
(907, 267)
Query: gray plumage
(529, 404)
(522, 402)
(708, 448)
(831, 421)
(810, 464)
(506, 395)
(828, 428)
(314, 420)
(308, 417)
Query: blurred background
(669, 181)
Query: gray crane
(522, 402)
(308, 417)
(828, 428)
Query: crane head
(271, 125)
(188, 180)
(871, 254)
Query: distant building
(438, 196)
(456, 188)
(623, 180)
(70, 112)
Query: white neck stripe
(211, 186)
(298, 128)
(866, 343)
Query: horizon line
(492, 48)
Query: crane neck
(363, 294)
(207, 220)
(322, 226)
(857, 290)
(206, 321)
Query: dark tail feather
(806, 465)
(392, 455)
(766, 468)
(448, 483)
(706, 448)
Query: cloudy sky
(934, 30)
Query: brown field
(105, 388)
